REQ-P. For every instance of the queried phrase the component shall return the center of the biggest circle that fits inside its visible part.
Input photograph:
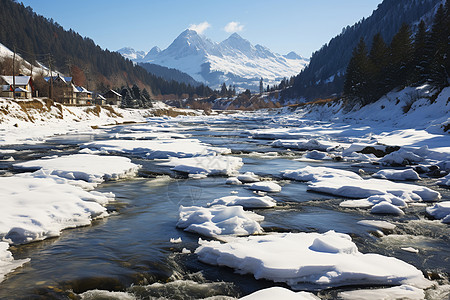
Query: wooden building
(113, 98)
(20, 86)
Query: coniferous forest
(324, 76)
(410, 59)
(38, 39)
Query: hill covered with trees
(37, 38)
(324, 76)
(409, 60)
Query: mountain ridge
(234, 61)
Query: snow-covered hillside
(234, 61)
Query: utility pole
(14, 73)
(51, 75)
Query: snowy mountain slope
(132, 54)
(25, 66)
(234, 61)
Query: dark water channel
(131, 249)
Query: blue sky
(302, 26)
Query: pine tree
(223, 90)
(377, 66)
(439, 46)
(422, 57)
(356, 83)
(261, 86)
(400, 59)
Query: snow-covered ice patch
(87, 167)
(265, 186)
(329, 259)
(386, 208)
(175, 241)
(219, 220)
(248, 177)
(309, 173)
(208, 165)
(393, 293)
(233, 181)
(102, 294)
(440, 210)
(154, 149)
(277, 292)
(445, 181)
(35, 208)
(7, 261)
(377, 224)
(246, 202)
(408, 174)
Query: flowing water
(131, 249)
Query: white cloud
(233, 27)
(200, 28)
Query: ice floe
(309, 173)
(311, 144)
(208, 165)
(277, 292)
(233, 181)
(393, 293)
(35, 208)
(440, 210)
(377, 224)
(248, 177)
(90, 168)
(219, 220)
(327, 260)
(7, 261)
(444, 180)
(386, 208)
(265, 186)
(153, 149)
(246, 202)
(408, 174)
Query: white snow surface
(328, 259)
(444, 180)
(277, 292)
(158, 149)
(208, 165)
(440, 210)
(7, 262)
(246, 202)
(219, 220)
(265, 186)
(408, 174)
(90, 168)
(393, 293)
(315, 174)
(45, 205)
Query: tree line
(409, 60)
(37, 38)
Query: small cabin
(20, 87)
(113, 98)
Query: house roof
(100, 97)
(20, 80)
(114, 92)
(19, 89)
(62, 78)
(80, 89)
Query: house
(100, 100)
(63, 89)
(82, 96)
(23, 87)
(66, 92)
(113, 98)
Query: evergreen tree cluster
(37, 38)
(135, 98)
(408, 60)
(324, 75)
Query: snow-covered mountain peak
(132, 54)
(234, 61)
(293, 55)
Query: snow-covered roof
(62, 78)
(114, 92)
(80, 89)
(20, 80)
(19, 89)
(100, 97)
